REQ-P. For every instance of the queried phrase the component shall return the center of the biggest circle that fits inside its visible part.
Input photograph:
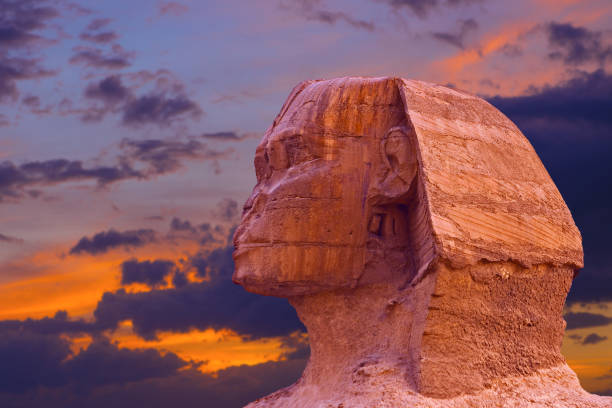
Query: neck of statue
(359, 334)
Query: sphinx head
(335, 178)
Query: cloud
(583, 98)
(150, 273)
(92, 32)
(20, 19)
(182, 225)
(576, 45)
(100, 38)
(312, 10)
(9, 239)
(31, 101)
(204, 233)
(422, 8)
(14, 179)
(230, 136)
(95, 57)
(227, 209)
(137, 159)
(172, 8)
(593, 338)
(606, 376)
(582, 320)
(164, 156)
(58, 324)
(21, 22)
(162, 106)
(98, 23)
(106, 240)
(569, 125)
(214, 303)
(159, 109)
(31, 360)
(18, 69)
(103, 363)
(41, 367)
(129, 378)
(109, 90)
(457, 39)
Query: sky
(127, 133)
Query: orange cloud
(215, 349)
(74, 283)
(491, 44)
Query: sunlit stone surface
(423, 245)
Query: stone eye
(277, 155)
(297, 150)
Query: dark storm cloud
(582, 320)
(184, 387)
(584, 98)
(107, 240)
(17, 69)
(312, 10)
(20, 19)
(159, 109)
(20, 23)
(178, 224)
(204, 233)
(457, 38)
(30, 360)
(14, 179)
(593, 338)
(422, 8)
(150, 273)
(118, 58)
(138, 159)
(103, 363)
(161, 106)
(109, 90)
(577, 45)
(58, 324)
(214, 303)
(570, 127)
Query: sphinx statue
(423, 244)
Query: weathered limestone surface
(423, 245)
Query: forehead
(345, 107)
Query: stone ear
(399, 156)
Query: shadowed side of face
(304, 228)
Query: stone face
(422, 243)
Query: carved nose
(251, 208)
